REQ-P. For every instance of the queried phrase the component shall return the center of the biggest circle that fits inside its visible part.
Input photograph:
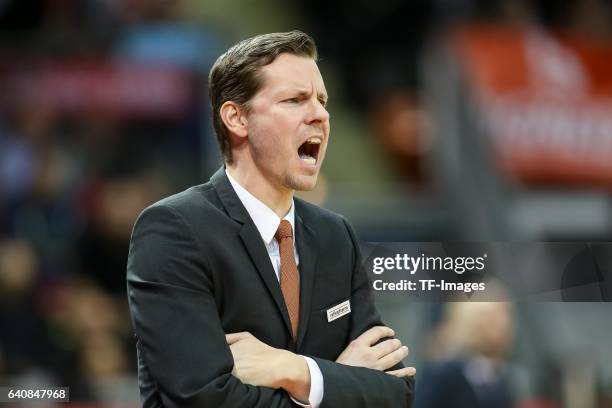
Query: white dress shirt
(267, 223)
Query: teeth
(308, 159)
(314, 140)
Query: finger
(374, 334)
(231, 338)
(385, 347)
(392, 358)
(403, 372)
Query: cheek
(281, 133)
(287, 125)
(274, 135)
(271, 143)
(274, 124)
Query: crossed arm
(256, 363)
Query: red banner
(100, 87)
(544, 100)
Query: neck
(277, 198)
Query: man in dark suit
(227, 311)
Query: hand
(254, 360)
(256, 363)
(365, 352)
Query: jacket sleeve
(356, 386)
(174, 315)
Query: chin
(303, 183)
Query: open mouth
(309, 150)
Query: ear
(234, 117)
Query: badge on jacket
(338, 311)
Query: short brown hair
(234, 76)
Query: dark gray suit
(198, 269)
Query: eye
(292, 100)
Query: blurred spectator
(94, 330)
(376, 46)
(115, 203)
(403, 128)
(20, 314)
(469, 365)
(16, 165)
(107, 368)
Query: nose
(318, 113)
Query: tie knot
(284, 230)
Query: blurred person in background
(114, 202)
(468, 351)
(90, 330)
(21, 317)
(382, 83)
(205, 264)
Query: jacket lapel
(252, 240)
(306, 240)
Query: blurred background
(473, 120)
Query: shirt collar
(265, 219)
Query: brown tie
(289, 276)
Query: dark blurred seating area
(483, 120)
(101, 113)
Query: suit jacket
(198, 269)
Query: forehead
(291, 72)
